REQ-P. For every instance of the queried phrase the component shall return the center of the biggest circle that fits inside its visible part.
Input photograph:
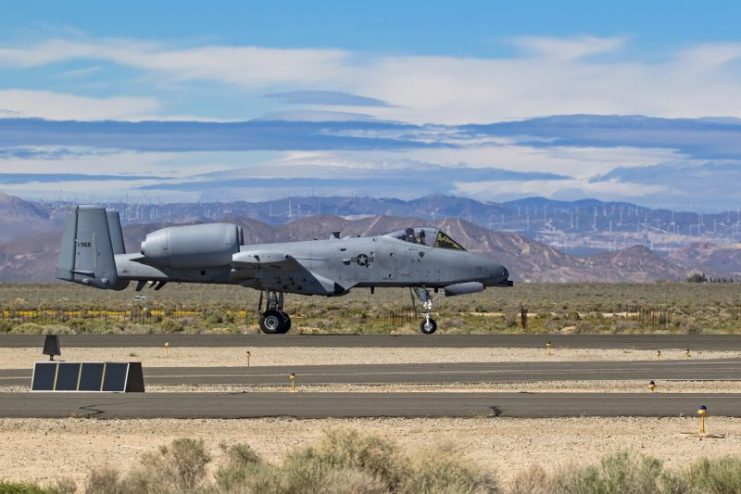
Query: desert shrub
(170, 325)
(510, 318)
(241, 464)
(619, 473)
(689, 326)
(344, 450)
(584, 327)
(620, 326)
(177, 468)
(6, 326)
(446, 472)
(27, 328)
(718, 476)
(79, 325)
(351, 481)
(21, 488)
(62, 486)
(104, 480)
(535, 480)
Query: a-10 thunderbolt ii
(422, 258)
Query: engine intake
(193, 246)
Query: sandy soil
(23, 358)
(627, 386)
(43, 449)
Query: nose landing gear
(429, 325)
(274, 320)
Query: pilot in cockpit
(421, 239)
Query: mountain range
(531, 245)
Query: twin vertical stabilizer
(92, 237)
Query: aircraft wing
(281, 272)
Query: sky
(189, 101)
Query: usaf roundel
(362, 260)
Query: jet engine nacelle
(463, 288)
(193, 246)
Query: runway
(440, 339)
(345, 405)
(449, 373)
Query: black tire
(286, 322)
(428, 327)
(272, 322)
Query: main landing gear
(428, 326)
(273, 320)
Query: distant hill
(546, 248)
(21, 218)
(33, 258)
(714, 260)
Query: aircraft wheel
(272, 322)
(286, 322)
(428, 326)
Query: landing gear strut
(428, 326)
(273, 320)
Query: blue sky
(407, 78)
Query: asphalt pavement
(322, 405)
(448, 373)
(440, 339)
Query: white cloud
(567, 48)
(62, 106)
(560, 189)
(247, 66)
(552, 76)
(580, 162)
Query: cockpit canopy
(429, 236)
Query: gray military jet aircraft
(423, 258)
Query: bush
(179, 468)
(620, 473)
(445, 472)
(21, 488)
(241, 462)
(719, 476)
(171, 325)
(535, 480)
(104, 480)
(584, 327)
(344, 450)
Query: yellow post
(652, 386)
(167, 348)
(548, 347)
(292, 378)
(248, 358)
(658, 354)
(702, 411)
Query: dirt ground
(23, 358)
(45, 449)
(627, 386)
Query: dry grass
(614, 308)
(350, 462)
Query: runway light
(248, 358)
(702, 411)
(167, 349)
(687, 354)
(652, 386)
(548, 347)
(658, 354)
(292, 379)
